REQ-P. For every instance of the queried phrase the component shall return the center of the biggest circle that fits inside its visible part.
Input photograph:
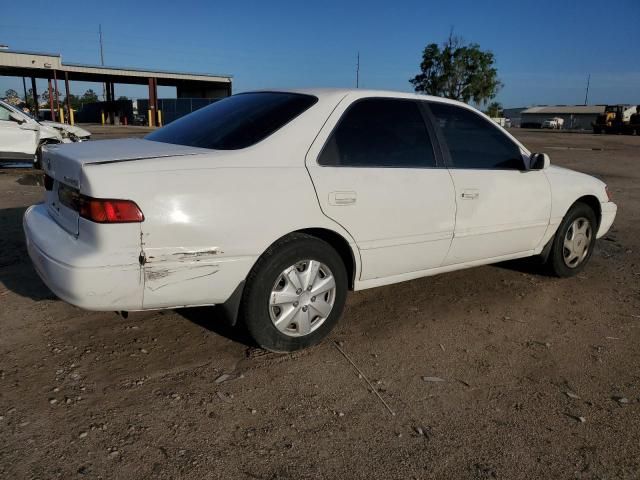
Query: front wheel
(574, 241)
(295, 294)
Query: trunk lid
(64, 162)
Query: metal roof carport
(50, 66)
(575, 116)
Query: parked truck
(618, 119)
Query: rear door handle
(342, 198)
(470, 194)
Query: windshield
(235, 122)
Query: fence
(174, 108)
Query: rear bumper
(57, 257)
(113, 281)
(609, 210)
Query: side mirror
(539, 161)
(16, 118)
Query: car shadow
(16, 271)
(215, 320)
(530, 265)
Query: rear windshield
(235, 122)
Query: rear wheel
(295, 294)
(574, 241)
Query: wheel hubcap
(577, 242)
(302, 298)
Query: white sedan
(276, 203)
(22, 136)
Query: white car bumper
(57, 256)
(609, 210)
(79, 275)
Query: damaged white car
(274, 204)
(22, 136)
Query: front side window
(473, 142)
(235, 122)
(380, 132)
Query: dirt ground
(541, 376)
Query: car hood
(74, 130)
(46, 131)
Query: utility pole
(101, 58)
(358, 71)
(586, 95)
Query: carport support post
(35, 97)
(24, 88)
(157, 118)
(112, 113)
(107, 99)
(55, 82)
(152, 102)
(67, 101)
(53, 112)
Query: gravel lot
(540, 376)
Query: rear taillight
(102, 210)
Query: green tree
(457, 70)
(29, 100)
(74, 101)
(89, 97)
(494, 109)
(12, 97)
(122, 97)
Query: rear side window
(473, 142)
(235, 122)
(380, 132)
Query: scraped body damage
(187, 274)
(168, 273)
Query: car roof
(323, 93)
(336, 94)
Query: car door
(376, 174)
(503, 208)
(15, 142)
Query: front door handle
(342, 198)
(470, 194)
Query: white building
(576, 117)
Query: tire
(578, 229)
(268, 285)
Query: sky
(544, 49)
